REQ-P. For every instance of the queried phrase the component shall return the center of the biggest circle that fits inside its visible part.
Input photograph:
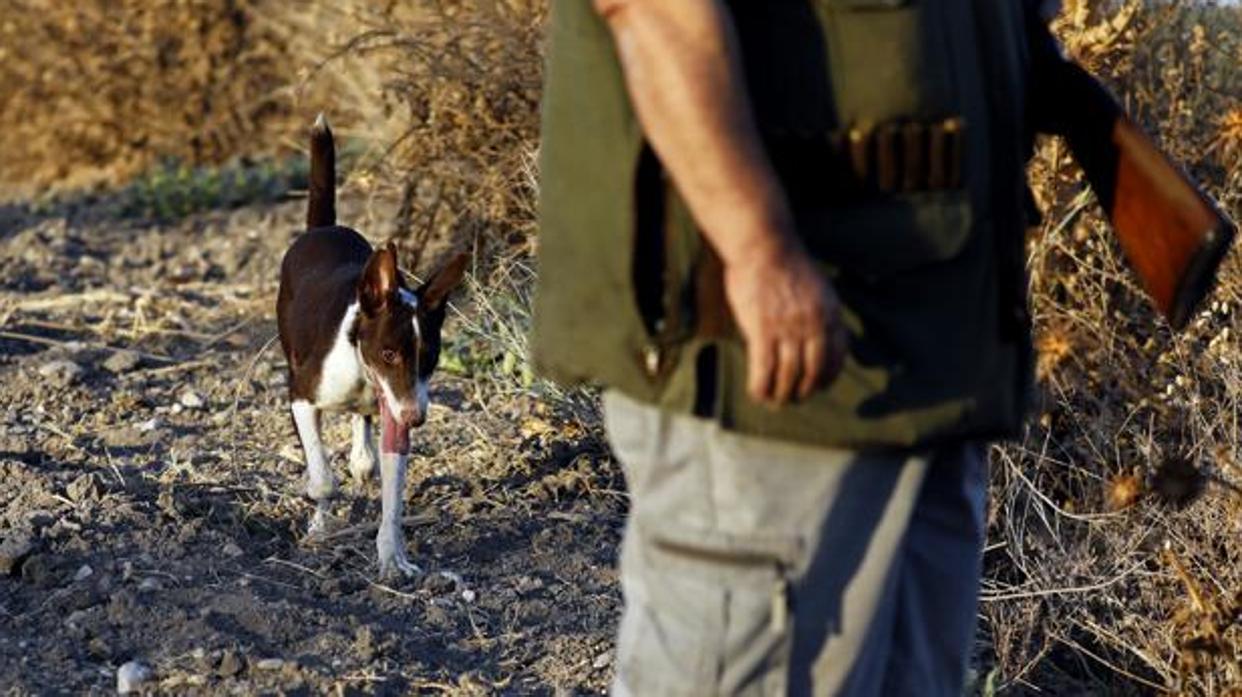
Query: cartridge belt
(892, 157)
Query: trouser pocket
(706, 613)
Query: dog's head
(398, 334)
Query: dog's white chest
(342, 384)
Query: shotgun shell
(937, 158)
(887, 157)
(955, 151)
(914, 157)
(860, 155)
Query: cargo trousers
(758, 567)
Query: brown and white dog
(357, 340)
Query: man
(787, 236)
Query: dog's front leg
(362, 458)
(320, 483)
(390, 542)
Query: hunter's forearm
(683, 71)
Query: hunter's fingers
(788, 370)
(814, 366)
(761, 355)
(839, 346)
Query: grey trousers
(756, 567)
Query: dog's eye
(390, 357)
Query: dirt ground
(151, 507)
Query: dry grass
(460, 82)
(96, 91)
(1116, 542)
(1115, 556)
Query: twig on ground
(72, 299)
(172, 369)
(1111, 666)
(292, 565)
(391, 591)
(18, 336)
(987, 597)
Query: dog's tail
(321, 205)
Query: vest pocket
(884, 235)
(890, 59)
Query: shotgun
(1172, 234)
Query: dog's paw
(319, 525)
(394, 565)
(362, 464)
(397, 568)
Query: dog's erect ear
(442, 282)
(380, 280)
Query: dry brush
(1115, 548)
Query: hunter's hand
(789, 317)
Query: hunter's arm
(683, 71)
(684, 75)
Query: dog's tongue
(394, 438)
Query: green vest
(932, 281)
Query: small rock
(121, 608)
(83, 573)
(82, 598)
(126, 437)
(99, 648)
(149, 425)
(469, 595)
(270, 664)
(122, 362)
(330, 587)
(15, 444)
(232, 550)
(203, 662)
(602, 661)
(364, 643)
(149, 585)
(71, 349)
(131, 676)
(85, 488)
(77, 618)
(528, 584)
(230, 664)
(40, 570)
(533, 612)
(191, 400)
(40, 518)
(61, 373)
(438, 584)
(437, 616)
(62, 528)
(13, 549)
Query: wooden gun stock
(1173, 235)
